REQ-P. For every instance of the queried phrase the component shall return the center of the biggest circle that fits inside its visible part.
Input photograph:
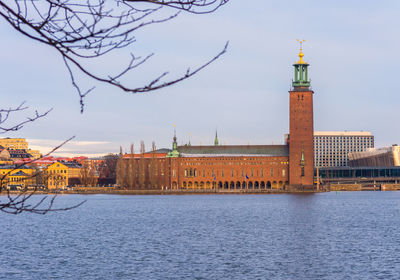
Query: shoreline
(158, 192)
(117, 191)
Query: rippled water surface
(321, 236)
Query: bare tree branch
(6, 113)
(81, 31)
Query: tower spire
(174, 152)
(216, 142)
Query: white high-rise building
(331, 148)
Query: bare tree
(132, 169)
(83, 31)
(108, 168)
(87, 175)
(142, 167)
(122, 171)
(153, 168)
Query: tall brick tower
(301, 131)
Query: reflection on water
(313, 236)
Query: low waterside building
(388, 156)
(207, 167)
(360, 175)
(232, 167)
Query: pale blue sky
(352, 47)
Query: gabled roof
(71, 164)
(235, 150)
(13, 166)
(19, 173)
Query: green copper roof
(174, 153)
(270, 150)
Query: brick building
(289, 166)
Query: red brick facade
(301, 137)
(249, 172)
(236, 172)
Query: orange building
(60, 174)
(230, 167)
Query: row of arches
(238, 185)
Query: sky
(352, 48)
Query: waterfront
(344, 235)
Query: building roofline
(185, 155)
(342, 133)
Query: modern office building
(332, 148)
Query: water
(352, 235)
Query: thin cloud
(73, 148)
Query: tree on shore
(108, 169)
(87, 175)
